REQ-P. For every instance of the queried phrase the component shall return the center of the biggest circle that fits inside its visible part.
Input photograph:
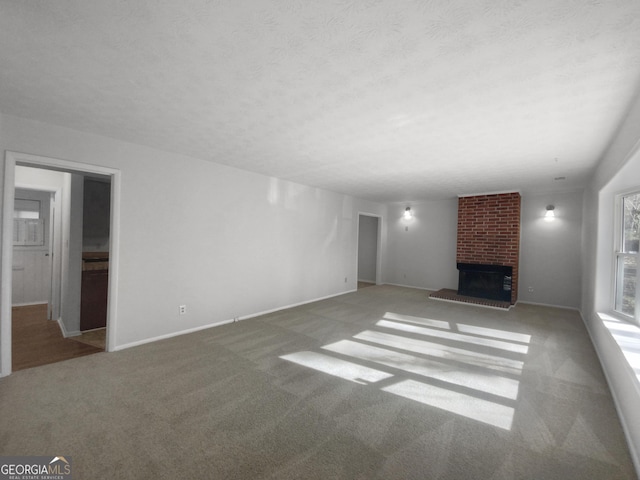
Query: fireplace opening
(492, 282)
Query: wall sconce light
(550, 215)
(407, 213)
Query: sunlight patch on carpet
(337, 367)
(502, 345)
(478, 378)
(456, 375)
(468, 406)
(433, 349)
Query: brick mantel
(489, 232)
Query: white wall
(225, 242)
(424, 256)
(367, 248)
(421, 252)
(550, 251)
(618, 169)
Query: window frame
(619, 255)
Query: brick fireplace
(489, 238)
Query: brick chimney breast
(489, 232)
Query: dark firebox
(485, 281)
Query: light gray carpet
(383, 383)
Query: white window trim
(617, 254)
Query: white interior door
(31, 248)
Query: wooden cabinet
(95, 285)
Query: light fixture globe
(550, 214)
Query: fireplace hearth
(493, 282)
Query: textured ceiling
(388, 100)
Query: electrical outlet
(182, 309)
(531, 289)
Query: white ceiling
(388, 100)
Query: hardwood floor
(37, 341)
(97, 338)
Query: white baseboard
(65, 334)
(29, 304)
(411, 286)
(62, 329)
(169, 335)
(547, 305)
(223, 322)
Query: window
(627, 285)
(28, 226)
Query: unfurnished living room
(352, 239)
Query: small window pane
(631, 232)
(28, 232)
(26, 208)
(626, 284)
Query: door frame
(55, 253)
(16, 158)
(378, 245)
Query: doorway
(70, 274)
(36, 340)
(32, 248)
(368, 251)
